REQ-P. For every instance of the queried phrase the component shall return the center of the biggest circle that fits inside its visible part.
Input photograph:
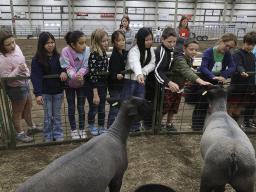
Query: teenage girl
(48, 92)
(12, 64)
(116, 67)
(141, 61)
(128, 32)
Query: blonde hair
(96, 39)
(227, 37)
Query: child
(48, 92)
(116, 66)
(183, 32)
(180, 72)
(164, 57)
(128, 32)
(98, 65)
(141, 61)
(216, 66)
(243, 84)
(12, 64)
(158, 35)
(74, 58)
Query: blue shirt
(228, 65)
(43, 85)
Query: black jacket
(116, 66)
(46, 85)
(164, 57)
(245, 62)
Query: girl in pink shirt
(12, 64)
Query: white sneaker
(75, 134)
(82, 134)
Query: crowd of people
(84, 72)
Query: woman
(217, 65)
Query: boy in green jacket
(180, 72)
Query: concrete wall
(53, 15)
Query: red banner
(81, 14)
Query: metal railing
(182, 120)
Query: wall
(53, 15)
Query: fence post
(158, 102)
(10, 133)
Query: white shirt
(134, 64)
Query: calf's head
(217, 98)
(135, 107)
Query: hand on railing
(244, 74)
(220, 79)
(173, 87)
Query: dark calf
(97, 164)
(228, 154)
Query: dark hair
(3, 36)
(128, 19)
(180, 24)
(41, 53)
(228, 37)
(141, 35)
(168, 31)
(250, 38)
(189, 41)
(115, 36)
(73, 37)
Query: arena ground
(172, 160)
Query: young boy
(180, 71)
(243, 83)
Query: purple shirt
(75, 63)
(9, 67)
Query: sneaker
(82, 134)
(94, 130)
(33, 130)
(170, 127)
(23, 137)
(163, 126)
(102, 130)
(75, 134)
(249, 124)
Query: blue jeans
(52, 116)
(133, 88)
(114, 93)
(100, 109)
(72, 94)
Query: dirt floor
(172, 160)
